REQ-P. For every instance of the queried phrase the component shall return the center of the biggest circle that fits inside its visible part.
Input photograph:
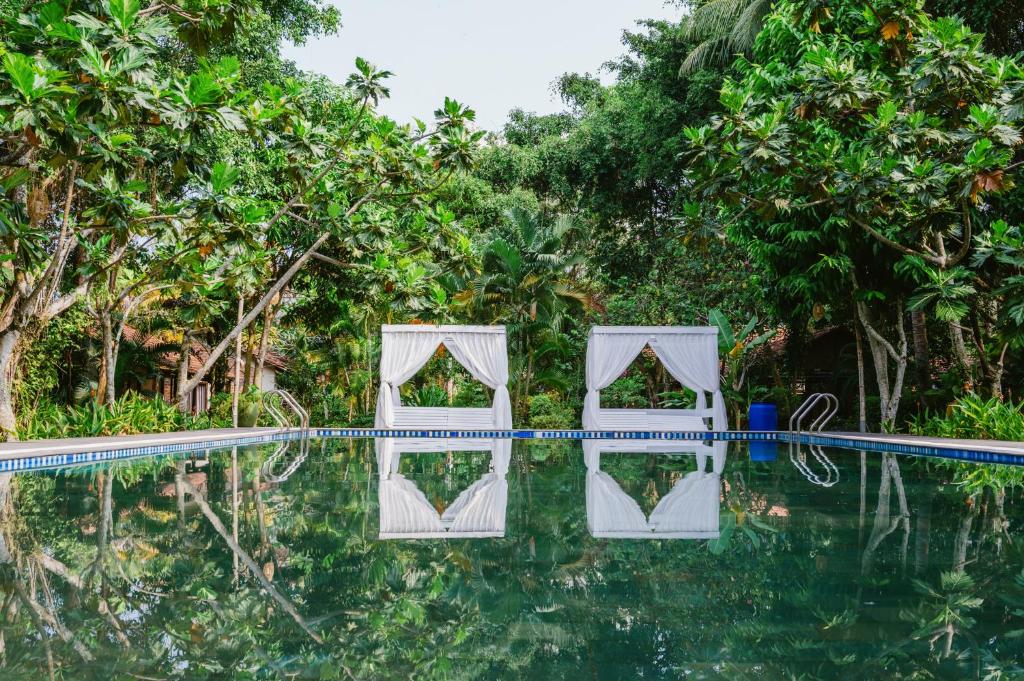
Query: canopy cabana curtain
(406, 348)
(689, 510)
(406, 513)
(689, 354)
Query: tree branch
(895, 244)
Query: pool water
(482, 559)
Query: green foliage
(972, 417)
(737, 350)
(550, 411)
(626, 392)
(41, 368)
(856, 160)
(132, 414)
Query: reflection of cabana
(404, 351)
(689, 511)
(405, 512)
(689, 354)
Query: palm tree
(724, 29)
(527, 282)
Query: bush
(627, 392)
(974, 418)
(549, 412)
(132, 414)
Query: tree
(344, 174)
(88, 127)
(856, 151)
(527, 282)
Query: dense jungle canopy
(833, 184)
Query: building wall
(268, 379)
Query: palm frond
(748, 25)
(705, 54)
(726, 28)
(714, 19)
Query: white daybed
(405, 512)
(404, 351)
(689, 511)
(689, 354)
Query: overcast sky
(493, 56)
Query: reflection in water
(405, 513)
(906, 568)
(799, 459)
(689, 511)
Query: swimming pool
(492, 558)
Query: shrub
(975, 418)
(549, 412)
(627, 392)
(132, 414)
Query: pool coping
(30, 454)
(34, 454)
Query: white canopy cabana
(478, 511)
(404, 351)
(689, 354)
(689, 511)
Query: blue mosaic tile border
(83, 458)
(518, 434)
(972, 455)
(102, 456)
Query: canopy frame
(406, 348)
(688, 353)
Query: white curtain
(608, 355)
(692, 359)
(485, 356)
(403, 353)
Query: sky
(492, 56)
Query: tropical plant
(850, 155)
(737, 349)
(528, 281)
(973, 417)
(725, 30)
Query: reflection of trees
(144, 582)
(885, 524)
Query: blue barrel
(763, 416)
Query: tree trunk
(882, 351)
(10, 348)
(183, 360)
(268, 318)
(862, 407)
(236, 386)
(106, 392)
(996, 379)
(250, 359)
(919, 329)
(963, 360)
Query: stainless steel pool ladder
(818, 424)
(267, 469)
(291, 403)
(798, 457)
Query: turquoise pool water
(482, 559)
